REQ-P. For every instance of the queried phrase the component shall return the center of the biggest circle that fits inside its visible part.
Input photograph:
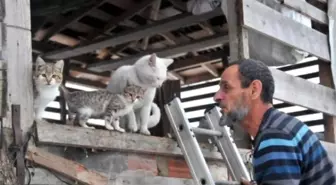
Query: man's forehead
(230, 74)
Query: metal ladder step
(193, 155)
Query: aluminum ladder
(191, 150)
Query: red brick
(146, 163)
(178, 168)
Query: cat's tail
(154, 119)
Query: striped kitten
(87, 104)
(46, 79)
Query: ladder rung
(227, 183)
(208, 132)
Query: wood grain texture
(16, 52)
(48, 134)
(70, 169)
(265, 20)
(165, 52)
(17, 13)
(307, 9)
(141, 32)
(304, 93)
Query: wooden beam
(330, 121)
(332, 37)
(78, 14)
(165, 52)
(68, 168)
(211, 69)
(16, 51)
(141, 32)
(48, 134)
(298, 91)
(307, 9)
(158, 180)
(264, 20)
(135, 8)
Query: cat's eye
(43, 75)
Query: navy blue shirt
(287, 152)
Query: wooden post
(17, 54)
(16, 65)
(238, 38)
(330, 121)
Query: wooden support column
(329, 121)
(238, 38)
(16, 77)
(17, 54)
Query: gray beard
(238, 115)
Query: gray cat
(101, 103)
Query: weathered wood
(17, 53)
(157, 180)
(141, 32)
(330, 121)
(135, 8)
(165, 52)
(48, 134)
(307, 9)
(70, 169)
(264, 20)
(299, 91)
(43, 176)
(18, 142)
(332, 36)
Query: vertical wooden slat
(330, 121)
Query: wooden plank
(65, 21)
(299, 91)
(135, 8)
(17, 53)
(141, 32)
(332, 36)
(330, 121)
(68, 168)
(157, 180)
(264, 20)
(48, 134)
(165, 52)
(17, 13)
(307, 9)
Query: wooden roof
(98, 36)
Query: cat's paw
(133, 127)
(145, 132)
(120, 130)
(109, 127)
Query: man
(286, 152)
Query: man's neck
(254, 118)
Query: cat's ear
(152, 60)
(39, 61)
(168, 61)
(59, 64)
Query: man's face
(232, 98)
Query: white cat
(47, 78)
(148, 72)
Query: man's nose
(218, 96)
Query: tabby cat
(101, 103)
(47, 77)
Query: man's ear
(256, 89)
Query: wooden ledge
(66, 135)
